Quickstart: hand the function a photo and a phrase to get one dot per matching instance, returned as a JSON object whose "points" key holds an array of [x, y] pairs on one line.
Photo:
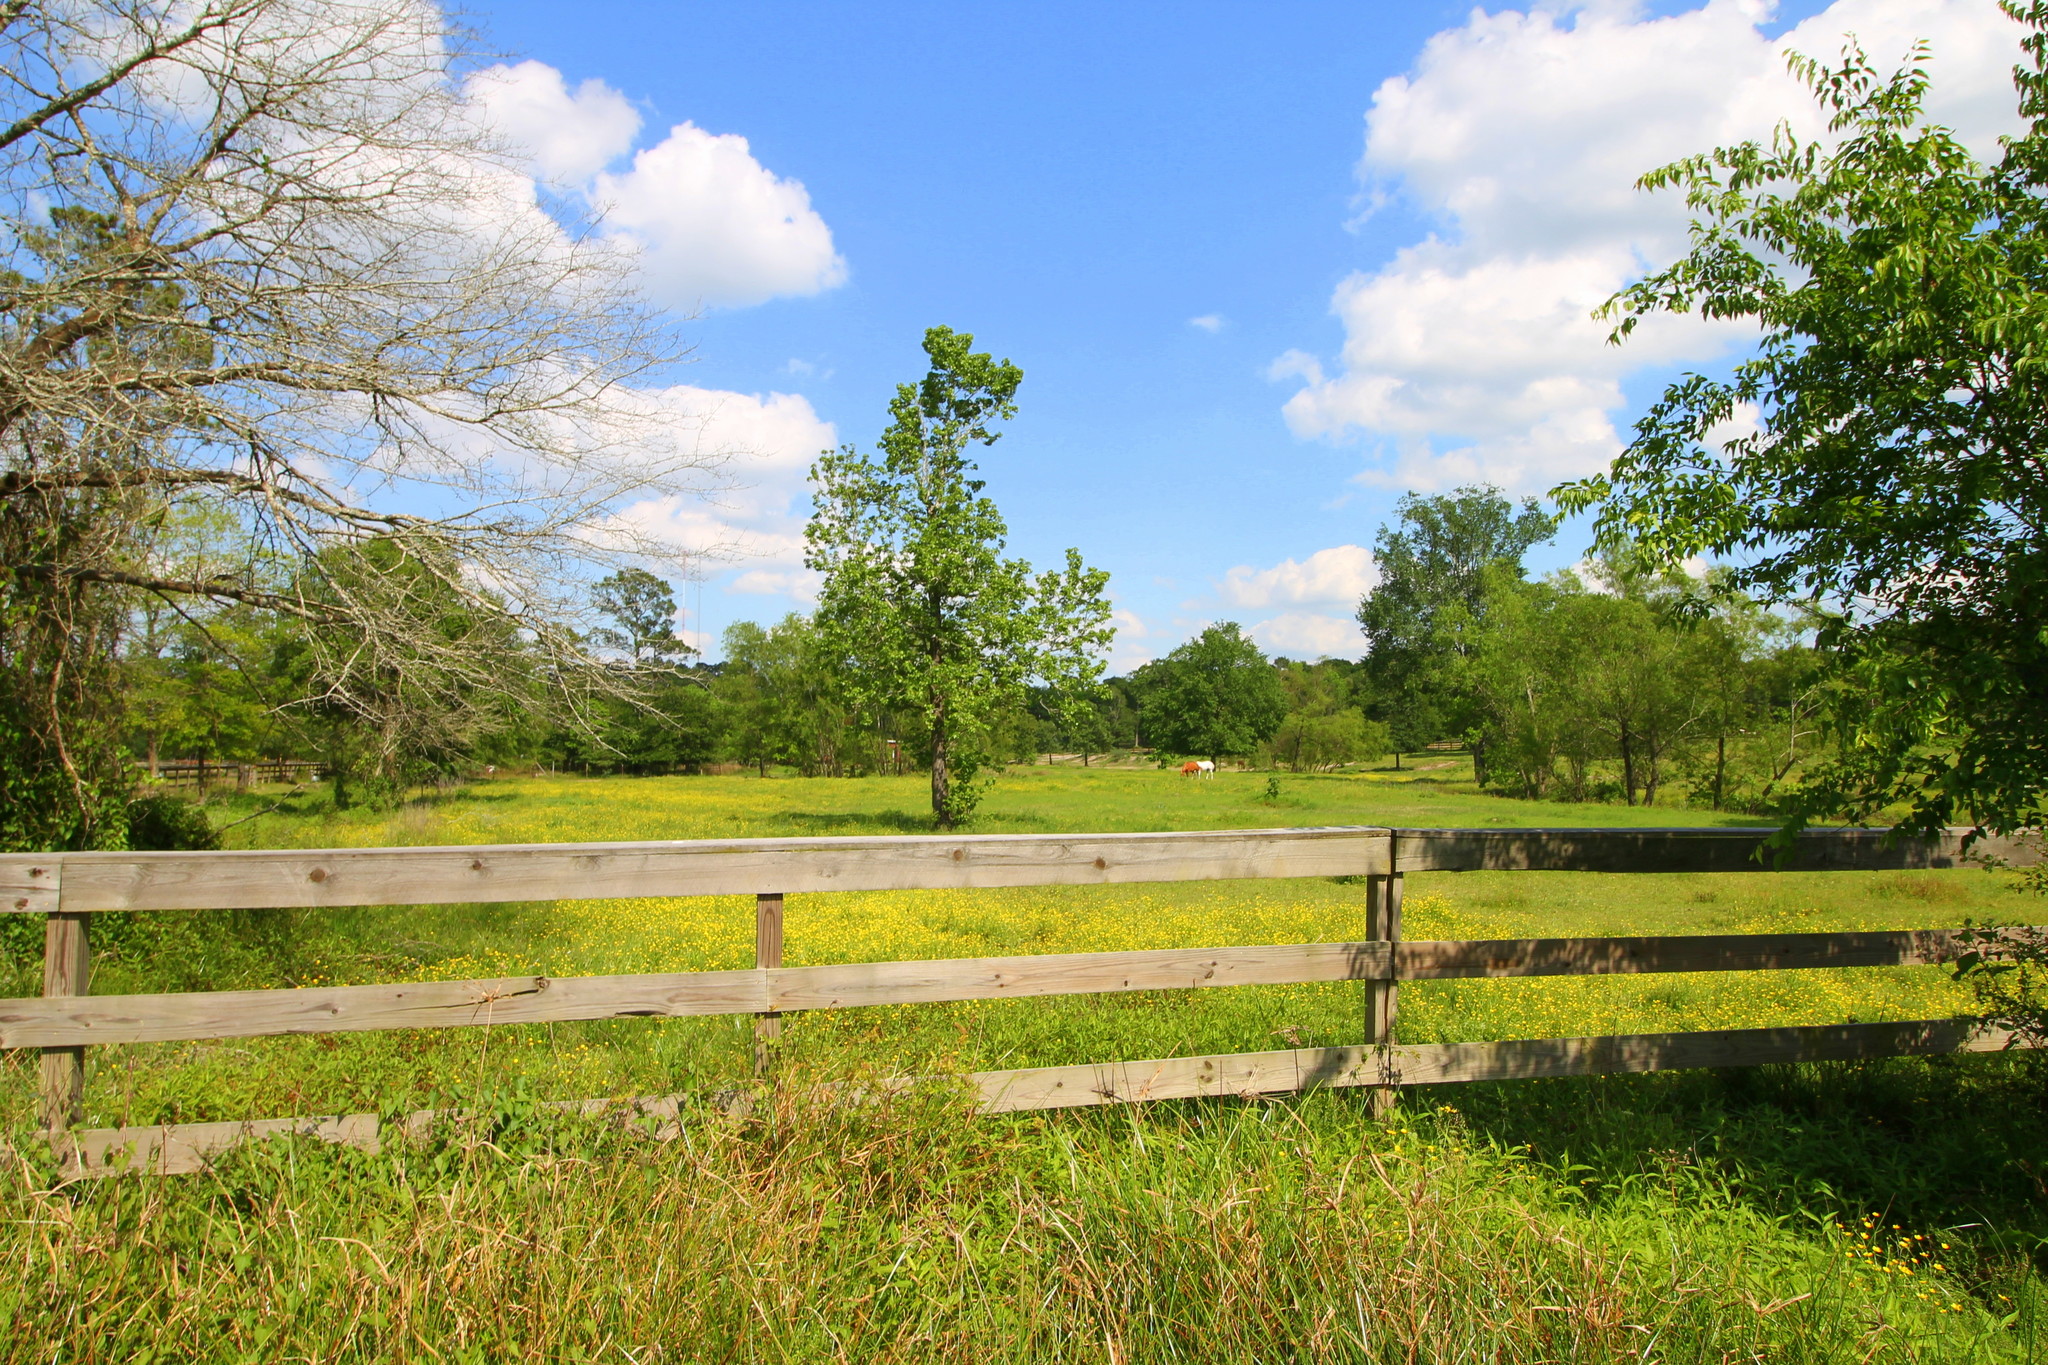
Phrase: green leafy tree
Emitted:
{"points": [[1323, 727], [785, 704], [1433, 564], [643, 607], [919, 604], [1216, 695], [1889, 471]]}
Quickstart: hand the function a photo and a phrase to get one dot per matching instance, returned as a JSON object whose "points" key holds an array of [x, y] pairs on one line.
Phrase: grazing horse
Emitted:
{"points": [[1203, 768]]}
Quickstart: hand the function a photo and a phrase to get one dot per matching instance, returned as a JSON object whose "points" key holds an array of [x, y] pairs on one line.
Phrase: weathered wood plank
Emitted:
{"points": [[767, 955], [1423, 961], [88, 882], [1688, 850], [30, 883], [1000, 978], [1384, 896], [182, 1148], [1267, 1073], [67, 975], [352, 1009], [77, 1021], [39, 1022], [698, 867]]}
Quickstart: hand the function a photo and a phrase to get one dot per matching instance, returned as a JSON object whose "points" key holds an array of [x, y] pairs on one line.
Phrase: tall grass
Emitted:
{"points": [[1233, 1231], [1883, 1212]]}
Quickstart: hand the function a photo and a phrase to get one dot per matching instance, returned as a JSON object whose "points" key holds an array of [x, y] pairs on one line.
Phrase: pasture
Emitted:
{"points": [[1680, 1217]]}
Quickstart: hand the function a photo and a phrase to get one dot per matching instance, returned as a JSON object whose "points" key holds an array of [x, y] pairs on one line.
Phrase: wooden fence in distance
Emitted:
{"points": [[202, 773], [70, 888]]}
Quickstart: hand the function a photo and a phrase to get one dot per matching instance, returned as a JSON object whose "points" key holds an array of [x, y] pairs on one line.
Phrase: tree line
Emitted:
{"points": [[1596, 683]]}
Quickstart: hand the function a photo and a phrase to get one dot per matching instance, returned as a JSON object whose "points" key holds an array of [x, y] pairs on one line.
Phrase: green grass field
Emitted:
{"points": [[1695, 1217]]}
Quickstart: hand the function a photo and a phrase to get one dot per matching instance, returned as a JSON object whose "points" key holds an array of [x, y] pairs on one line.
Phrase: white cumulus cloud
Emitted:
{"points": [[714, 225], [1472, 353], [1341, 574], [770, 440], [570, 136], [1309, 635], [709, 224]]}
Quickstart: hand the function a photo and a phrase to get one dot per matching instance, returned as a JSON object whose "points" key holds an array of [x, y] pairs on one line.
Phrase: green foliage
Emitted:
{"points": [[919, 608], [783, 702], [389, 709], [1435, 563], [644, 608], [169, 824], [1216, 695], [1878, 456], [1548, 1222], [1324, 727], [1650, 679]]}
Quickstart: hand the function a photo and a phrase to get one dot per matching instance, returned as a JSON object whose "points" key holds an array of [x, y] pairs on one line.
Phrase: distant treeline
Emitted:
{"points": [[1595, 684]]}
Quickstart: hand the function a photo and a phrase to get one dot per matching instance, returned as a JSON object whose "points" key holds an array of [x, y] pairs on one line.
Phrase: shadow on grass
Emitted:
{"points": [[1949, 1144], [905, 822], [859, 822]]}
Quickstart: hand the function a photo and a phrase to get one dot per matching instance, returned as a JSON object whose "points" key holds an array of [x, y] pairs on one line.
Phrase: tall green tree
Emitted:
{"points": [[642, 608], [919, 604], [1886, 462], [1216, 695], [1434, 564], [783, 701], [1324, 726]]}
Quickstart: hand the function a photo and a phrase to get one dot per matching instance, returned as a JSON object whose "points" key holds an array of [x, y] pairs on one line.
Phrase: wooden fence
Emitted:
{"points": [[70, 888], [214, 772]]}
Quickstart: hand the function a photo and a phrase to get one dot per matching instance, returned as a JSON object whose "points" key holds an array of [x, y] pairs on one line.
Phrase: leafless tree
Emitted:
{"points": [[260, 254]]}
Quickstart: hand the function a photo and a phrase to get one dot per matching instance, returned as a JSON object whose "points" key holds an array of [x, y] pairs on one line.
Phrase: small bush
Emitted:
{"points": [[163, 824]]}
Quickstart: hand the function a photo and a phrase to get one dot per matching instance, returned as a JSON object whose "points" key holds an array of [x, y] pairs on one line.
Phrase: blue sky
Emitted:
{"points": [[1265, 267]]}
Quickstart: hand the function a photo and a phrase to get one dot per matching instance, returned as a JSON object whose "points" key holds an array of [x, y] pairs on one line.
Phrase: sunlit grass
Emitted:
{"points": [[1695, 1218]]}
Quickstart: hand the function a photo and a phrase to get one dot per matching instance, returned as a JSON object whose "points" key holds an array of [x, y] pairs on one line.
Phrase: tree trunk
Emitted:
{"points": [[1720, 766], [152, 756], [1628, 765], [942, 779]]}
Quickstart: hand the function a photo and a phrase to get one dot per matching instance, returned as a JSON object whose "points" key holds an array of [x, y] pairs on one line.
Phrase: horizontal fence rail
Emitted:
{"points": [[70, 888], [177, 1149], [83, 1020], [476, 874]]}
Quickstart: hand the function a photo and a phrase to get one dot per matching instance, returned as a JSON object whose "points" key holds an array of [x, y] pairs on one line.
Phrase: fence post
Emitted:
{"points": [[66, 965], [767, 953], [1383, 922]]}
